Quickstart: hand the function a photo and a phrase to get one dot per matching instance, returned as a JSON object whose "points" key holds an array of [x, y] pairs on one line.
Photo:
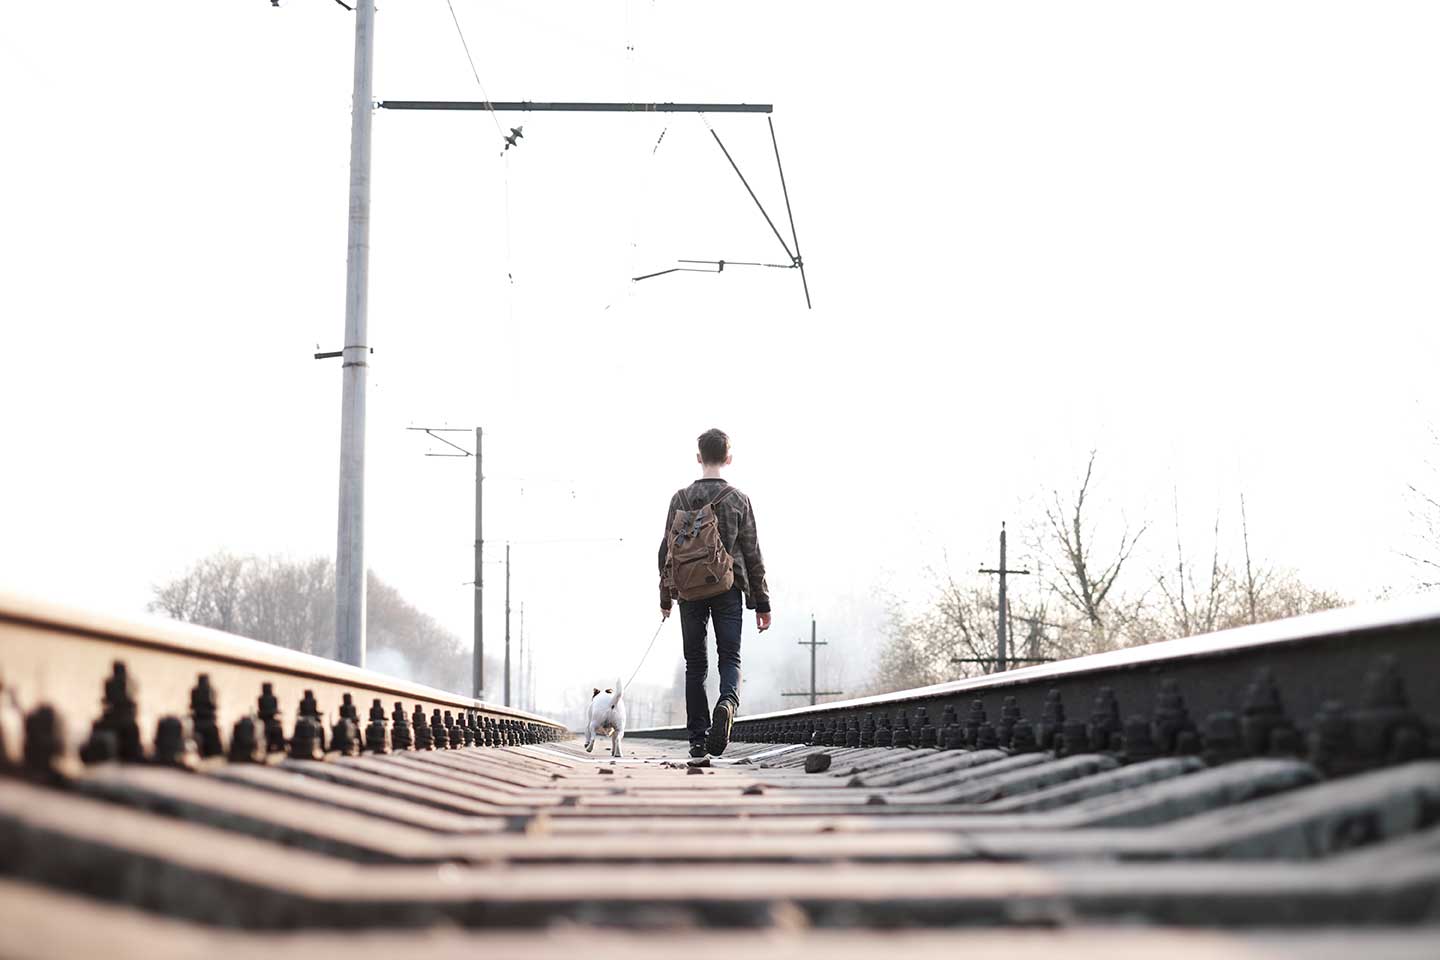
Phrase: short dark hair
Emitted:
{"points": [[714, 446]]}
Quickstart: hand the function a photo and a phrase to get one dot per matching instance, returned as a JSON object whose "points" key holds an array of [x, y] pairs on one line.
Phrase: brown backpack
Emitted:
{"points": [[699, 566]]}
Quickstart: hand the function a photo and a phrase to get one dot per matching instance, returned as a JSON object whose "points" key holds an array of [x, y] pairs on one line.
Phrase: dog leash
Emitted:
{"points": [[647, 653]]}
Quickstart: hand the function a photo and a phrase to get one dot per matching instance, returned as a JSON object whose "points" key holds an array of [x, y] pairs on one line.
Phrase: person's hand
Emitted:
{"points": [[664, 613], [762, 621]]}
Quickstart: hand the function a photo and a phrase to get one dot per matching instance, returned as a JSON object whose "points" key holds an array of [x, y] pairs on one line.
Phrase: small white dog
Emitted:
{"points": [[607, 719]]}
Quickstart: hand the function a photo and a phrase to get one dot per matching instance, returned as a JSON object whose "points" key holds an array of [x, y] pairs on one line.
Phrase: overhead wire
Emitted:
{"points": [[641, 187], [795, 260], [504, 156], [469, 58], [643, 183], [629, 81]]}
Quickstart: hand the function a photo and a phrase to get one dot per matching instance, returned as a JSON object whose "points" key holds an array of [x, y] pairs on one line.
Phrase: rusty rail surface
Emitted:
{"points": [[180, 819]]}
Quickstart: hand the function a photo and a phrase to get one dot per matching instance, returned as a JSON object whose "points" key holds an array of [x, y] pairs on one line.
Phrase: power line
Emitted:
{"points": [[493, 107], [473, 71], [795, 263], [489, 108]]}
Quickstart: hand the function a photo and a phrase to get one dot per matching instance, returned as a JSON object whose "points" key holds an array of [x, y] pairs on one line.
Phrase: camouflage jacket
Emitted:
{"points": [[736, 519]]}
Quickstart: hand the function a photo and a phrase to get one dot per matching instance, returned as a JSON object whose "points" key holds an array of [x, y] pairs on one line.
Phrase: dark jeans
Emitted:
{"points": [[727, 611]]}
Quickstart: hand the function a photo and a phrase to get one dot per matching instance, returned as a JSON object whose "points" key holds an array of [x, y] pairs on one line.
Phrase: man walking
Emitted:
{"points": [[710, 559]]}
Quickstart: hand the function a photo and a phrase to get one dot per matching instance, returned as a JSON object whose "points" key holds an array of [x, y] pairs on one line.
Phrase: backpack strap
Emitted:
{"points": [[692, 514], [712, 504], [690, 503], [689, 517]]}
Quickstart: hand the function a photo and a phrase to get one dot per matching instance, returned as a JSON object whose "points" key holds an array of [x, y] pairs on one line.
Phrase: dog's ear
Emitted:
{"points": [[595, 694]]}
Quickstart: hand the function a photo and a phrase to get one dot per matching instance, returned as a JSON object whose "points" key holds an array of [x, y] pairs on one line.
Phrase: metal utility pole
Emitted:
{"points": [[507, 624], [478, 665], [522, 678], [521, 543], [1000, 620], [350, 546], [813, 693]]}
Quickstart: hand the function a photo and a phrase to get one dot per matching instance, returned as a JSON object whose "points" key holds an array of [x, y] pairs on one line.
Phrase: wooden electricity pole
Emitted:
{"points": [[1002, 617], [1002, 659], [813, 693]]}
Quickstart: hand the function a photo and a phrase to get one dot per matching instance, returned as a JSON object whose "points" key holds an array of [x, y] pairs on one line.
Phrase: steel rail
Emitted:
{"points": [[1315, 660], [528, 837], [61, 657], [872, 817], [1167, 822]]}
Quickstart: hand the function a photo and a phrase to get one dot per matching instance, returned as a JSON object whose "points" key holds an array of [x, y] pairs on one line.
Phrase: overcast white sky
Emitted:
{"points": [[1201, 238]]}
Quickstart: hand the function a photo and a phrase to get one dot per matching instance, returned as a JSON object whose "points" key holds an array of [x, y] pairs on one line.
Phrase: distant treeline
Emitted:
{"points": [[291, 603], [1090, 598]]}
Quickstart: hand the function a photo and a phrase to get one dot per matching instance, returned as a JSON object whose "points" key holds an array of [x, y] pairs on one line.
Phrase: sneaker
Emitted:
{"points": [[720, 723], [697, 750]]}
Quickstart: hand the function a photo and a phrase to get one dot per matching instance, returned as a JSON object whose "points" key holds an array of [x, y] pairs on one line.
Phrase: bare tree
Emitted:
{"points": [[1269, 592], [1035, 632], [292, 604], [1089, 612], [967, 620], [1225, 598], [1428, 517], [209, 593], [915, 653], [1195, 607], [1253, 580], [953, 636], [1284, 595], [1084, 582], [1425, 512], [177, 599], [435, 655]]}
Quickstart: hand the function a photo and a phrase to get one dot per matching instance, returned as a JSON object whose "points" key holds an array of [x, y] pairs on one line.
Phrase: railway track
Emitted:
{"points": [[1269, 792]]}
